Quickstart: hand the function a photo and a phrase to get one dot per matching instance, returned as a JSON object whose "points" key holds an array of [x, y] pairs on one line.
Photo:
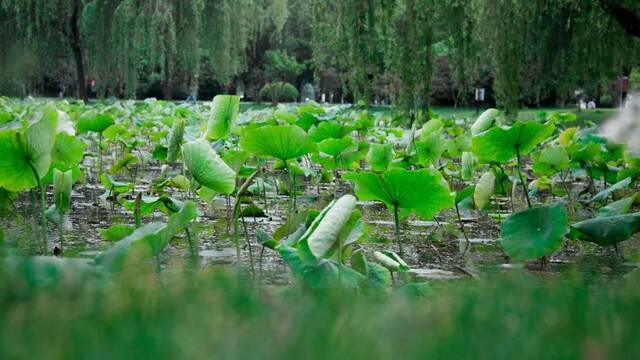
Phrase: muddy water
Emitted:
{"points": [[436, 250]]}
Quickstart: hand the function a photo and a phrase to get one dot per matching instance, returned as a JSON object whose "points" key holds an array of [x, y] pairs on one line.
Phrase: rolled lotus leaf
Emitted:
{"points": [[326, 233]]}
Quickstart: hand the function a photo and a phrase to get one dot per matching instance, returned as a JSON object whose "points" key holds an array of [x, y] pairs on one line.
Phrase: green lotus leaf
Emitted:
{"points": [[235, 159], [391, 261], [485, 121], [431, 127], [124, 162], [551, 160], [484, 189], [265, 239], [175, 140], [25, 157], [429, 148], [467, 164], [329, 130], [424, 191], [619, 207], [535, 232], [148, 240], [208, 168], [464, 194], [380, 156], [117, 232], [607, 230], [281, 142], [94, 122], [324, 274], [334, 147], [323, 234], [148, 204], [113, 185], [604, 194], [62, 185], [224, 111], [377, 277], [67, 152], [501, 144]]}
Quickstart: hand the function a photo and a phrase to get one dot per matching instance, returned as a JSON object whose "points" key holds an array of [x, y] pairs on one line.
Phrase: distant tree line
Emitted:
{"points": [[405, 52]]}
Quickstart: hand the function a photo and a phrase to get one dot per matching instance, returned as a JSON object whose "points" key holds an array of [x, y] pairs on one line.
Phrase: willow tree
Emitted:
{"points": [[502, 28], [157, 36], [455, 22], [410, 54], [52, 22], [227, 26]]}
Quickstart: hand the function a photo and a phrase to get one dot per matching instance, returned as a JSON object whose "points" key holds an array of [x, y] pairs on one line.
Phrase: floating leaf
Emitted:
{"points": [[535, 232]]}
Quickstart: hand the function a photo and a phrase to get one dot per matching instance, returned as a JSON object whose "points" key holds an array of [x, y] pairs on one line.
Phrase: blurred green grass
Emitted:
{"points": [[137, 314]]}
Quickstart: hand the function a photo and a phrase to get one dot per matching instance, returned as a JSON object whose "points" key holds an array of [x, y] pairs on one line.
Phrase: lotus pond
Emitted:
{"points": [[252, 212]]}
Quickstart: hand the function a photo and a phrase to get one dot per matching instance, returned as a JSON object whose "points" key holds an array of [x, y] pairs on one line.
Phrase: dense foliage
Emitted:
{"points": [[404, 52]]}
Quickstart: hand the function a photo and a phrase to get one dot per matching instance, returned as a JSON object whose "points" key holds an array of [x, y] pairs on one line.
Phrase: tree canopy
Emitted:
{"points": [[405, 52]]}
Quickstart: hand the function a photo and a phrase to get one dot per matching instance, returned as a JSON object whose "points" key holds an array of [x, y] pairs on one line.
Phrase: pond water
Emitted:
{"points": [[435, 250]]}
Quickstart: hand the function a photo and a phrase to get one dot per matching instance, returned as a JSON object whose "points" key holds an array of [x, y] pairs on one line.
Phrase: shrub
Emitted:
{"points": [[278, 92]]}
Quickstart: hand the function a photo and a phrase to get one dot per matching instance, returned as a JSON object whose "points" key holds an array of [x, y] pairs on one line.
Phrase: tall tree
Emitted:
{"points": [[53, 21]]}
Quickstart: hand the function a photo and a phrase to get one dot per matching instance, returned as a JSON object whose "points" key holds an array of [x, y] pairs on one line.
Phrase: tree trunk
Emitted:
{"points": [[628, 20], [166, 87], [76, 48]]}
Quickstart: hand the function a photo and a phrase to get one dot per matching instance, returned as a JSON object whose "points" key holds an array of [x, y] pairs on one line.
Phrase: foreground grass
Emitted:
{"points": [[50, 313]]}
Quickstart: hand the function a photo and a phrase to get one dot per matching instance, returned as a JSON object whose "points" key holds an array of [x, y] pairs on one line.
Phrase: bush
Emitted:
{"points": [[278, 92]]}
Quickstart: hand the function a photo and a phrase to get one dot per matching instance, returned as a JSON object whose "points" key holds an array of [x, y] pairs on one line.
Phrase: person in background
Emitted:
{"points": [[591, 104], [193, 91]]}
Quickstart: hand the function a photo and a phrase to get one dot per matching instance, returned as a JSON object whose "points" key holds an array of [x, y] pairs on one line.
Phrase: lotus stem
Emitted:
{"points": [[43, 218], [461, 225], [236, 215], [136, 210], [246, 236], [264, 191], [32, 197], [61, 234], [396, 219], [192, 250], [260, 259], [99, 154], [524, 185], [568, 191]]}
